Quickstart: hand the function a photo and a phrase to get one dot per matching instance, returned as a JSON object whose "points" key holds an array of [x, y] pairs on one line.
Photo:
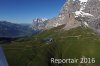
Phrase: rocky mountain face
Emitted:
{"points": [[39, 23], [76, 13], [93, 7], [89, 14], [66, 16]]}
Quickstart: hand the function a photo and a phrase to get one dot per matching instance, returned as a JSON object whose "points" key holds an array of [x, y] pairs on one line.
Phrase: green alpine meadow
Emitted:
{"points": [[56, 43]]}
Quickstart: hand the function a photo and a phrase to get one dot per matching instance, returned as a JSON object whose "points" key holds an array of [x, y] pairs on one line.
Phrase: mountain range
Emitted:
{"points": [[75, 13], [8, 29], [70, 35]]}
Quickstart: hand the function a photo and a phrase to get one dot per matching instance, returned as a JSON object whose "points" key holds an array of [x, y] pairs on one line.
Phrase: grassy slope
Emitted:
{"points": [[75, 43]]}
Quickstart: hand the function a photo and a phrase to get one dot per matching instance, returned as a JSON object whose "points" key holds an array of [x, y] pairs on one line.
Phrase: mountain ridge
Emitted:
{"points": [[8, 29], [75, 13]]}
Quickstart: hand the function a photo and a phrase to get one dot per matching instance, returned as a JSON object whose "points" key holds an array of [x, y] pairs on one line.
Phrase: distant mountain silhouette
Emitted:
{"points": [[8, 29]]}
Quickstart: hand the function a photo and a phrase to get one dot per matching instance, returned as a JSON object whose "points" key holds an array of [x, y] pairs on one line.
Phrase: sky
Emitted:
{"points": [[24, 11]]}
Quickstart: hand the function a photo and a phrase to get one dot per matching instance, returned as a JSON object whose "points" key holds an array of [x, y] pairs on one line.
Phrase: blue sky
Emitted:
{"points": [[24, 11]]}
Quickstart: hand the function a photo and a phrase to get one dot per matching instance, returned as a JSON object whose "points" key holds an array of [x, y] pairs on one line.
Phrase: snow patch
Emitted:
{"points": [[82, 14], [83, 1], [86, 24], [56, 24], [40, 19]]}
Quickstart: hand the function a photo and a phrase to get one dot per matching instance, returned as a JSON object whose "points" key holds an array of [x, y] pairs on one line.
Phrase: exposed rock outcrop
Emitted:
{"points": [[39, 23], [66, 16], [75, 13]]}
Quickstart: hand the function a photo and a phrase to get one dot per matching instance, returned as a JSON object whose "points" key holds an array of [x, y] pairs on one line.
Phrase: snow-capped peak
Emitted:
{"points": [[40, 19]]}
